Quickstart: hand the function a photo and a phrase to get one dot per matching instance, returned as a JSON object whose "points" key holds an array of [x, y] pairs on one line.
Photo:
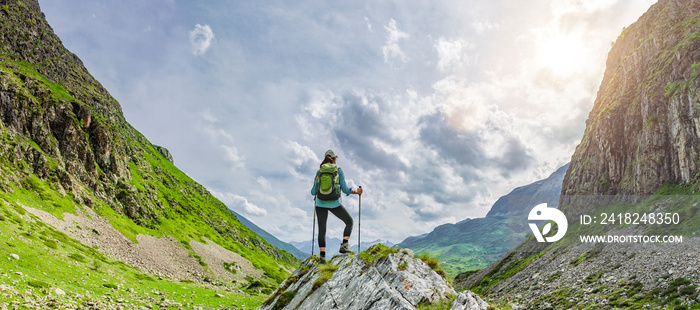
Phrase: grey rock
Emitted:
{"points": [[358, 285], [469, 301], [163, 151]]}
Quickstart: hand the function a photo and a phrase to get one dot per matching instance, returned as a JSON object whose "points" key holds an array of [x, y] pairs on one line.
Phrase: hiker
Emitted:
{"points": [[328, 184]]}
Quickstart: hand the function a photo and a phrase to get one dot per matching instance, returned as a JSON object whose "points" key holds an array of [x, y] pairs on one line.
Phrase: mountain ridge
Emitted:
{"points": [[271, 238], [475, 243]]}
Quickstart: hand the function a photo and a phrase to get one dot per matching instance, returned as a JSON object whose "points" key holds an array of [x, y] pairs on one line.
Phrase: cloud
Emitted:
{"points": [[392, 49], [362, 132], [201, 38], [462, 146], [451, 54], [302, 159], [239, 203], [466, 110], [482, 26]]}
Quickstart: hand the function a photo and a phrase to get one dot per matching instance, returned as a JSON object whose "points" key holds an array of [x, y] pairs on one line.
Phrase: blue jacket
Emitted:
{"points": [[332, 203]]}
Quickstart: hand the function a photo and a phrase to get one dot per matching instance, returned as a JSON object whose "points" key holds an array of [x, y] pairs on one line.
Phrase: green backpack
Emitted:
{"points": [[328, 184]]}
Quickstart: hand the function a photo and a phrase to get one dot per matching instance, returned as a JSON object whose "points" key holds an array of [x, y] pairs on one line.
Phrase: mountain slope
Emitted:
{"points": [[270, 238], [475, 243], [67, 151], [641, 138]]}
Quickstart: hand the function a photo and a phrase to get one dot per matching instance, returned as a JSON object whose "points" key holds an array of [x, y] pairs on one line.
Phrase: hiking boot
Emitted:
{"points": [[322, 260], [344, 248]]}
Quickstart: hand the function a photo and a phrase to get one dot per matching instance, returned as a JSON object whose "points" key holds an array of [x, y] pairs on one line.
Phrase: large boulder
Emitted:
{"points": [[380, 278]]}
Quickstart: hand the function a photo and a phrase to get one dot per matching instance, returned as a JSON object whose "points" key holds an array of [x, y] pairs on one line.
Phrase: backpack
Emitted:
{"points": [[328, 183]]}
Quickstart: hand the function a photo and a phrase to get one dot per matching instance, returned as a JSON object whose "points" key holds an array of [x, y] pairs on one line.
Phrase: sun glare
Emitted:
{"points": [[562, 54]]}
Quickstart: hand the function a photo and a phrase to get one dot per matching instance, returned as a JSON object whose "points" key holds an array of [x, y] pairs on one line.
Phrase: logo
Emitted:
{"points": [[541, 213]]}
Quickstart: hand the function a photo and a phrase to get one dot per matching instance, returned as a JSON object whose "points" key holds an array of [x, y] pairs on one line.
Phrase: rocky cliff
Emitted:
{"points": [[642, 137], [380, 278], [66, 147], [644, 129]]}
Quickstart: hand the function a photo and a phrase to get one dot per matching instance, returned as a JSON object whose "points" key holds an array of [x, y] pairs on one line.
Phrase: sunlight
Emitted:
{"points": [[562, 54]]}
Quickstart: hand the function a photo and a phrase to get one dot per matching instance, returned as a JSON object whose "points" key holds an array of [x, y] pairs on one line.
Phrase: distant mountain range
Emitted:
{"points": [[270, 238], [333, 244], [475, 243]]}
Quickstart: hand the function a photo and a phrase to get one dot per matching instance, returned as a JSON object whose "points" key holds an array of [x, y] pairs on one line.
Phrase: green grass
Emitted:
{"points": [[433, 263], [81, 270], [375, 253], [488, 239], [283, 300], [444, 304], [325, 273]]}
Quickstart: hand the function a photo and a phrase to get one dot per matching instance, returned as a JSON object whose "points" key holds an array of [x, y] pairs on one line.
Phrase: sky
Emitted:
{"points": [[435, 108]]}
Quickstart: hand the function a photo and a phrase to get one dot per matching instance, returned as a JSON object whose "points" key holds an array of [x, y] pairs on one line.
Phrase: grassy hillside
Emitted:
{"points": [[65, 148], [470, 245], [48, 262]]}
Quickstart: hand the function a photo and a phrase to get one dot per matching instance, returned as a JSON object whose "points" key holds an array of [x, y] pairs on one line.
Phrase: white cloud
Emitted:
{"points": [[451, 53], [482, 26], [392, 49], [201, 38], [310, 77], [239, 203]]}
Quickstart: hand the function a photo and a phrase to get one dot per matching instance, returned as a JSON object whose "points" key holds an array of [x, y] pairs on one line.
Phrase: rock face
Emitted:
{"points": [[644, 129], [642, 133], [396, 281]]}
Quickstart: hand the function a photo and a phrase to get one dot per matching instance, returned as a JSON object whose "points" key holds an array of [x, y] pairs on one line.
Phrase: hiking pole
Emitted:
{"points": [[313, 232], [359, 221]]}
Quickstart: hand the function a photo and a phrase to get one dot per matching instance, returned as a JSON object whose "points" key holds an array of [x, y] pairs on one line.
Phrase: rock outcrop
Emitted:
{"points": [[469, 301], [393, 281], [644, 129]]}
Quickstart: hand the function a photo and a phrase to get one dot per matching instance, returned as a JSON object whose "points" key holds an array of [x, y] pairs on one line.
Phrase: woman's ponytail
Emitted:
{"points": [[326, 160]]}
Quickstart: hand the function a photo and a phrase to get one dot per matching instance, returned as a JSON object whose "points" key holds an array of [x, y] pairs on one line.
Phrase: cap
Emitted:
{"points": [[331, 154]]}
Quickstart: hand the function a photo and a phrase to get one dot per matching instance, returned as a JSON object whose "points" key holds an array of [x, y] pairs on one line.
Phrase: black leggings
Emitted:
{"points": [[341, 213]]}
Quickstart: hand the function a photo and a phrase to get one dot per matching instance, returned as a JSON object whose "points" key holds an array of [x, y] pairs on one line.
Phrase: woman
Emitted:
{"points": [[328, 202]]}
